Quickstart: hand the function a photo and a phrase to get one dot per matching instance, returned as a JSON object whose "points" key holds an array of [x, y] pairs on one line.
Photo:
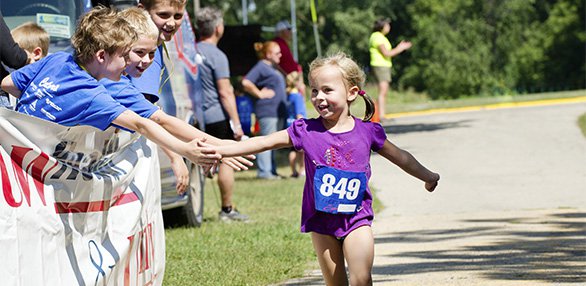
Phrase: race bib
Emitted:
{"points": [[338, 191]]}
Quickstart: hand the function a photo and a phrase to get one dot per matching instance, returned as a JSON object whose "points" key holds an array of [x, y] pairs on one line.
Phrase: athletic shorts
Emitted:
{"points": [[221, 130], [382, 74]]}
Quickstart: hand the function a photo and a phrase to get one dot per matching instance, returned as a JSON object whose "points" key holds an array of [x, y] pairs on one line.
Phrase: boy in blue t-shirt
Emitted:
{"points": [[295, 110], [64, 89], [123, 91]]}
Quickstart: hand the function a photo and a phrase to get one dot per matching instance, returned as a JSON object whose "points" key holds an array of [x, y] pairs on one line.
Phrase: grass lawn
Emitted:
{"points": [[266, 250]]}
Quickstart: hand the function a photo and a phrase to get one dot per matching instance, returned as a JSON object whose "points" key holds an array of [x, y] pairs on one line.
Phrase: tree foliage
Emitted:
{"points": [[460, 47]]}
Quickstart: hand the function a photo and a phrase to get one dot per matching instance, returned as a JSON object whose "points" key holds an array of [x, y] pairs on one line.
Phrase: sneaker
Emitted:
{"points": [[233, 215]]}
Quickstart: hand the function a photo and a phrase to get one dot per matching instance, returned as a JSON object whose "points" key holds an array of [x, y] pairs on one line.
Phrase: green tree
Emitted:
{"points": [[460, 47]]}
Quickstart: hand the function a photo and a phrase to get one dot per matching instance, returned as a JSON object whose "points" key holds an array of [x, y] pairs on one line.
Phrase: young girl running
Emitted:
{"points": [[337, 203]]}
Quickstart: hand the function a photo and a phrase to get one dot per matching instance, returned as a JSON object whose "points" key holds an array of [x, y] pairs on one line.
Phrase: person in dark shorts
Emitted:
{"points": [[220, 112]]}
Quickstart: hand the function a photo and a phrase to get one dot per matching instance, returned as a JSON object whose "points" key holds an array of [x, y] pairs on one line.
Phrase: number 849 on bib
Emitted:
{"points": [[338, 191]]}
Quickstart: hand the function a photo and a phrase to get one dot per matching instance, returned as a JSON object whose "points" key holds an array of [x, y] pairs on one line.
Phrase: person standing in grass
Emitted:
{"points": [[266, 84], [219, 102], [337, 202], [295, 110], [381, 52]]}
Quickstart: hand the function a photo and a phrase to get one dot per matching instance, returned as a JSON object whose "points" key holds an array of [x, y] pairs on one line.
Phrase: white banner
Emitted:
{"points": [[79, 206]]}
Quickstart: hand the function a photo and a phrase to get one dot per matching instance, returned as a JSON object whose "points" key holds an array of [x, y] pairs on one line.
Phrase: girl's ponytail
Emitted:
{"points": [[369, 110]]}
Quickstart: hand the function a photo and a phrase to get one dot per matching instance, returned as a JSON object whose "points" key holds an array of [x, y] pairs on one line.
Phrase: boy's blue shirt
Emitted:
{"points": [[59, 90], [124, 92], [295, 107]]}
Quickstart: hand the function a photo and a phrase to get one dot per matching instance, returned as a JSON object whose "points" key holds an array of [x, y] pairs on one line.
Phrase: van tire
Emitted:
{"points": [[193, 210]]}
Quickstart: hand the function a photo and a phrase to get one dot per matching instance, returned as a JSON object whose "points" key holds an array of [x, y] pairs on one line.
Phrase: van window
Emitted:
{"points": [[57, 17]]}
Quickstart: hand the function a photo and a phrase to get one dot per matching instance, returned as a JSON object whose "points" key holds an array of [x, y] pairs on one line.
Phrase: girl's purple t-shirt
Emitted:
{"points": [[349, 151]]}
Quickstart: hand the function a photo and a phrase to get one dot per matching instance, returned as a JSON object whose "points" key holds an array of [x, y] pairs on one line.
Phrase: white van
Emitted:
{"points": [[181, 93]]}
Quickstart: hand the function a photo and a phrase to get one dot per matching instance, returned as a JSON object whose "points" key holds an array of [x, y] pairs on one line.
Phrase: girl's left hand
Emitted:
{"points": [[431, 185]]}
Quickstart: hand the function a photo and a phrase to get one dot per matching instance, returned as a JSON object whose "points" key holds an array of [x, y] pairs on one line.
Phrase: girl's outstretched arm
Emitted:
{"points": [[255, 144], [409, 164]]}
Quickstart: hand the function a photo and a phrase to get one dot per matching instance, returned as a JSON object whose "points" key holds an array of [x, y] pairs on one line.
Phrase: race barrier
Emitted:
{"points": [[79, 206]]}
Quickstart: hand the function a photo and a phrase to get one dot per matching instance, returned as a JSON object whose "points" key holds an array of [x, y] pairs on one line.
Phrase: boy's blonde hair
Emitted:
{"points": [[352, 75], [292, 81], [140, 20], [30, 36], [101, 28], [149, 4]]}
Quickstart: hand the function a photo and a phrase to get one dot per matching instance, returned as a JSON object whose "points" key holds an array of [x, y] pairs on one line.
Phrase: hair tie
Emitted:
{"points": [[361, 92]]}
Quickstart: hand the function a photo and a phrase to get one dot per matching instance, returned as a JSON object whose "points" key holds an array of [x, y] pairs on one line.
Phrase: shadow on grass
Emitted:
{"points": [[556, 255], [420, 127]]}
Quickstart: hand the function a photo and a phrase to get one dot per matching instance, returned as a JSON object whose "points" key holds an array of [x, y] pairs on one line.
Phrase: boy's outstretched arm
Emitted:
{"points": [[186, 132], [193, 152], [8, 86], [409, 164], [279, 139]]}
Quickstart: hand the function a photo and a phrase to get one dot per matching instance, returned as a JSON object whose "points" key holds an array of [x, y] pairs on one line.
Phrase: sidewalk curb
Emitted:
{"points": [[578, 99]]}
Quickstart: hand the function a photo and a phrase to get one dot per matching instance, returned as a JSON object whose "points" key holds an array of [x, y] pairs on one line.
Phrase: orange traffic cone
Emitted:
{"points": [[375, 117]]}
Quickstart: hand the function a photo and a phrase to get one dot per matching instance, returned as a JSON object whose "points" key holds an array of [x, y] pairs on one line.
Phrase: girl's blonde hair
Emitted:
{"points": [[292, 80], [101, 29], [352, 75], [140, 20], [262, 48]]}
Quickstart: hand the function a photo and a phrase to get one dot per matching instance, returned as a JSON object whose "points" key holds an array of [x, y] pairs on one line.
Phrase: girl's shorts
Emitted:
{"points": [[382, 74]]}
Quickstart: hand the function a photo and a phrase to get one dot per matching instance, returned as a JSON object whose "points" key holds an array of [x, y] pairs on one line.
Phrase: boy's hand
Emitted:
{"points": [[201, 154], [182, 174], [237, 163], [432, 184]]}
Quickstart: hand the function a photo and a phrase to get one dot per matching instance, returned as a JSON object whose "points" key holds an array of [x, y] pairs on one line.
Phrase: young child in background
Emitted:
{"points": [[140, 57], [337, 202], [33, 38], [64, 89], [295, 110]]}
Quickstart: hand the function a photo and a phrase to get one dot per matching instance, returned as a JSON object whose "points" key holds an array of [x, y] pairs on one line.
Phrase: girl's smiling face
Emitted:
{"points": [[329, 95], [141, 56], [168, 18]]}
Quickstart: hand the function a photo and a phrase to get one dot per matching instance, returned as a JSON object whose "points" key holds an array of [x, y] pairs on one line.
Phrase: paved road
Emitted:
{"points": [[510, 208]]}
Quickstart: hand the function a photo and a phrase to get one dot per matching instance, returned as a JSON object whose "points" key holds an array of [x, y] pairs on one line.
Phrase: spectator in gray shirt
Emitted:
{"points": [[220, 113]]}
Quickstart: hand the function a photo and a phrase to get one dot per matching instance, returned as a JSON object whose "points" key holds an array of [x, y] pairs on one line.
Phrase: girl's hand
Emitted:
{"points": [[182, 174], [199, 153], [432, 184], [237, 163]]}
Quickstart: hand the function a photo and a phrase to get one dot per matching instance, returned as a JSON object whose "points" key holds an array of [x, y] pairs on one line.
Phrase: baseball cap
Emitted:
{"points": [[282, 25]]}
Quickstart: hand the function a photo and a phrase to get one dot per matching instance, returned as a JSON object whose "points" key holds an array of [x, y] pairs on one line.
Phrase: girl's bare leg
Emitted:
{"points": [[383, 89], [358, 249], [331, 259]]}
